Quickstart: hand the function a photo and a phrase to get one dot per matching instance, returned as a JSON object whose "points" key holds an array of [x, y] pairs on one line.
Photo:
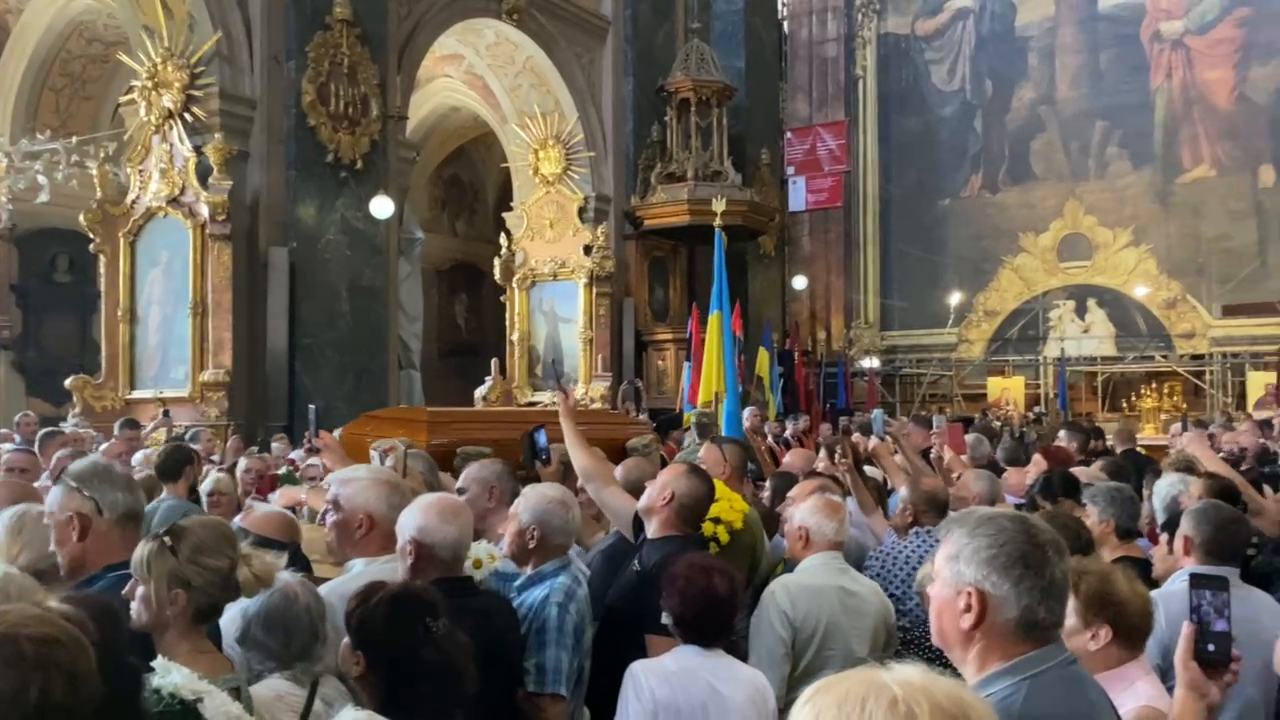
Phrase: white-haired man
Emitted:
{"points": [[551, 598], [433, 536], [823, 617], [364, 501], [997, 600]]}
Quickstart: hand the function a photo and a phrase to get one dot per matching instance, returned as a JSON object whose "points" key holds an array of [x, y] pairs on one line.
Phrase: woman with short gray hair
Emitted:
{"points": [[25, 541], [282, 647], [1113, 514]]}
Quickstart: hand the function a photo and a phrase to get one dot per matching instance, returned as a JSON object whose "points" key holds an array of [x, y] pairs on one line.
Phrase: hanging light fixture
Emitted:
{"points": [[381, 206]]}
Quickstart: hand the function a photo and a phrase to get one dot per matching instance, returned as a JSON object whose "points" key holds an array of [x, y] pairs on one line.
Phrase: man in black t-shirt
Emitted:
{"points": [[664, 524]]}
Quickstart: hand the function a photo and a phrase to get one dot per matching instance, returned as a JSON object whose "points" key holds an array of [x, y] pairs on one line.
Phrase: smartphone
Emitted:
{"points": [[541, 446], [939, 422], [877, 423], [1211, 613], [955, 438], [1186, 423], [313, 427], [165, 413]]}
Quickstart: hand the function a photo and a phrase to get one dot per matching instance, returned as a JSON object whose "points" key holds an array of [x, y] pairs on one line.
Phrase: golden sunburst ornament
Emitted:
{"points": [[553, 150], [171, 79]]}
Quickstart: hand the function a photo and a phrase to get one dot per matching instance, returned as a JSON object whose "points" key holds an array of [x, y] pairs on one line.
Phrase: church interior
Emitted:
{"points": [[391, 215]]}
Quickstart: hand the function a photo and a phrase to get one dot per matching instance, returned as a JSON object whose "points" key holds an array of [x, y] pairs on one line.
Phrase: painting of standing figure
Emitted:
{"points": [[554, 319], [162, 306]]}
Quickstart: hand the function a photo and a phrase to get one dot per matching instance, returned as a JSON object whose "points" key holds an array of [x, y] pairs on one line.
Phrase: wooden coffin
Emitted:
{"points": [[441, 431]]}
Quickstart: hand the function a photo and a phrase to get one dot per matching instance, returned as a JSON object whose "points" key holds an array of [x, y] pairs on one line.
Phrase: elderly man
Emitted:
{"points": [[894, 565], [551, 599], [21, 463], [824, 617], [976, 488], [276, 530], [488, 487], [665, 523], [433, 536], [204, 441], [1213, 539], [364, 502], [1113, 514], [997, 601], [26, 425], [978, 454], [799, 461], [95, 520]]}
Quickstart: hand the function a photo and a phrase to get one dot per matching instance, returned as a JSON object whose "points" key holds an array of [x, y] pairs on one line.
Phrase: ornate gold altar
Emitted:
{"points": [[557, 274], [164, 256]]}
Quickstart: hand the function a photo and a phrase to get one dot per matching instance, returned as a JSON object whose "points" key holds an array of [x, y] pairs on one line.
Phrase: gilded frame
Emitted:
{"points": [[544, 270], [196, 237]]}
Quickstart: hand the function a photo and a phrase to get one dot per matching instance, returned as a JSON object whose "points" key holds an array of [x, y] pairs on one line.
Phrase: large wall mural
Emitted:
{"points": [[1158, 115]]}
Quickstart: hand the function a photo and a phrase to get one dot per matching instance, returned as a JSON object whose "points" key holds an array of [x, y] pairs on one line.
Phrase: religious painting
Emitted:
{"points": [[1007, 394], [1260, 393], [1078, 322], [658, 270], [554, 347], [161, 326], [460, 318], [1160, 115]]}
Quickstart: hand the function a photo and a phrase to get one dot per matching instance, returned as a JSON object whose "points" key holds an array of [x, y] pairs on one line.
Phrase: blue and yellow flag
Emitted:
{"points": [[719, 386], [765, 366]]}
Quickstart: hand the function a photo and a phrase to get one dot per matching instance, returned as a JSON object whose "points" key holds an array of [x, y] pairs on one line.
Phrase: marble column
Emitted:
{"points": [[746, 37], [342, 257]]}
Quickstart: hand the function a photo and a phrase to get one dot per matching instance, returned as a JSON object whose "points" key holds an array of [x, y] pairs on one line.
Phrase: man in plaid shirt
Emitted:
{"points": [[551, 599]]}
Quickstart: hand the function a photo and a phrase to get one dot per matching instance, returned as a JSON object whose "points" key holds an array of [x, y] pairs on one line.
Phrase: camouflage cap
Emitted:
{"points": [[702, 417], [643, 446], [689, 454], [468, 454]]}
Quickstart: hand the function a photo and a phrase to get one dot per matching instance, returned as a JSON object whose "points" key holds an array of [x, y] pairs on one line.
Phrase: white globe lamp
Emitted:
{"points": [[799, 281], [381, 206]]}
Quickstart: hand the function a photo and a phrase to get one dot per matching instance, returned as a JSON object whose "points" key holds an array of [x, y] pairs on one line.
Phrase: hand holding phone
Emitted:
{"points": [[1210, 612], [939, 422], [313, 430], [877, 423], [541, 445]]}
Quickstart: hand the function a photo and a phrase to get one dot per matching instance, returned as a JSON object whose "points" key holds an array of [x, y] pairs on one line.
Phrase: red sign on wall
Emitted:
{"points": [[815, 192], [817, 149]]}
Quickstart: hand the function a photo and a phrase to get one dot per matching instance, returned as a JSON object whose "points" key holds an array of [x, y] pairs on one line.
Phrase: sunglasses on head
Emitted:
{"points": [[61, 477]]}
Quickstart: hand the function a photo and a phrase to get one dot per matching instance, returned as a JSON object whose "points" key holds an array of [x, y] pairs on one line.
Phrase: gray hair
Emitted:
{"points": [[978, 448], [440, 522], [24, 542], [1010, 453], [1016, 560], [1166, 494], [283, 630], [1117, 503], [426, 466], [986, 487], [100, 485], [194, 434], [378, 491], [824, 515], [553, 509]]}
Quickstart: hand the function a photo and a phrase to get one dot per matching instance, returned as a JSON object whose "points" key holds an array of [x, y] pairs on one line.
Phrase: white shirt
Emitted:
{"points": [[694, 683], [277, 696], [355, 574]]}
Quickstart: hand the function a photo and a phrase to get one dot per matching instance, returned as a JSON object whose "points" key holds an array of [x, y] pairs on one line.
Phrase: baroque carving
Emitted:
{"points": [[86, 394], [866, 19], [341, 90], [768, 190], [1116, 262]]}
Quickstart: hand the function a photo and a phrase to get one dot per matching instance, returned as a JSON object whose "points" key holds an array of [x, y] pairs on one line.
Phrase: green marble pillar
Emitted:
{"points": [[342, 281]]}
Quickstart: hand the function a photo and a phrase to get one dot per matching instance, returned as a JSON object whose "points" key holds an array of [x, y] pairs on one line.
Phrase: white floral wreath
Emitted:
{"points": [[173, 679]]}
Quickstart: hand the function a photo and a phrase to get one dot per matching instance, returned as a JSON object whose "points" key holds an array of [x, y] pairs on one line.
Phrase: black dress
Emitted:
{"points": [[1141, 567]]}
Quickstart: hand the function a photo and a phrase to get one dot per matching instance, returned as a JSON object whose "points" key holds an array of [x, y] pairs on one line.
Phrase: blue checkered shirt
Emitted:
{"points": [[894, 565], [555, 619]]}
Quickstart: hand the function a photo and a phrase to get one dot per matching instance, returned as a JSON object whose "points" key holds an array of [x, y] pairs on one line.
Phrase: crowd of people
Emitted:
{"points": [[805, 573]]}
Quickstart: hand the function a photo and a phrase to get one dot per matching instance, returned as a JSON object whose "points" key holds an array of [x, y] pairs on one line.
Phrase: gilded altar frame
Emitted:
{"points": [[162, 172]]}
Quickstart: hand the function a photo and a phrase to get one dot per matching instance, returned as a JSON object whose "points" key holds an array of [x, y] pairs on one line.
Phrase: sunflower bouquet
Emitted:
{"points": [[727, 514]]}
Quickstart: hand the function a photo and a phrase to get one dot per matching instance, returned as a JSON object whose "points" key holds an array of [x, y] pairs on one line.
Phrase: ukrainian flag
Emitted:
{"points": [[719, 386], [765, 371]]}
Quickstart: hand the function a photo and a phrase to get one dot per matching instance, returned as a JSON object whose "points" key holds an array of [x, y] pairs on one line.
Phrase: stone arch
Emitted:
{"points": [[539, 43]]}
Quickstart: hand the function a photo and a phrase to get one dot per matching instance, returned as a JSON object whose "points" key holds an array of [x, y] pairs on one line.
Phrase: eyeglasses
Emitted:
{"points": [[62, 477]]}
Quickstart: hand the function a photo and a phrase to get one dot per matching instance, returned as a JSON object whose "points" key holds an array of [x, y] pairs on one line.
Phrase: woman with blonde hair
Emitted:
{"points": [[19, 587], [49, 669], [1108, 621], [24, 543], [183, 577], [219, 496], [901, 691]]}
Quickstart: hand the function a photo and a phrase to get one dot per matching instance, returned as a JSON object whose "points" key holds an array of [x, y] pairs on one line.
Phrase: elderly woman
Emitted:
{"points": [[282, 644], [1108, 621], [1113, 513], [904, 691], [251, 471], [219, 496], [701, 594], [24, 543]]}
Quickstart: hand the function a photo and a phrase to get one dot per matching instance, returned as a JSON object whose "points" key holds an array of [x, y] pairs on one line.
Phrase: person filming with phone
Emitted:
{"points": [[1209, 549]]}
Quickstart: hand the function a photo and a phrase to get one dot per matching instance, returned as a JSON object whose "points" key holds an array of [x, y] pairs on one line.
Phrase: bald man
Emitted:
{"points": [[433, 537], [488, 487], [859, 540], [799, 461], [922, 506], [16, 492], [726, 458]]}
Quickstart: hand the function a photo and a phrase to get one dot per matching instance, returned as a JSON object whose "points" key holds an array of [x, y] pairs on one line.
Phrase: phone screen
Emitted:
{"points": [[541, 446], [939, 422], [955, 438], [312, 425], [1211, 613], [877, 423]]}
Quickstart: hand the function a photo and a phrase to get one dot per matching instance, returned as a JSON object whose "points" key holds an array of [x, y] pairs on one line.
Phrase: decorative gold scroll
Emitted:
{"points": [[341, 90]]}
